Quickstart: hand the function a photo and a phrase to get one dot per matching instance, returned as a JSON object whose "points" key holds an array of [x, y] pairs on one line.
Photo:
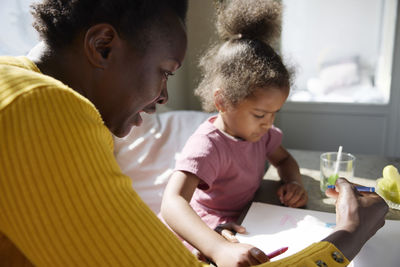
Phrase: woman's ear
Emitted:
{"points": [[99, 42], [218, 100]]}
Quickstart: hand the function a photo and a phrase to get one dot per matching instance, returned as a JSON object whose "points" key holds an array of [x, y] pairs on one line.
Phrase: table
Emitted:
{"points": [[368, 168]]}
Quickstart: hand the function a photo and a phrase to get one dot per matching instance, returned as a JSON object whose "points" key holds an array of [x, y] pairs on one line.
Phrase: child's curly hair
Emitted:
{"points": [[244, 60]]}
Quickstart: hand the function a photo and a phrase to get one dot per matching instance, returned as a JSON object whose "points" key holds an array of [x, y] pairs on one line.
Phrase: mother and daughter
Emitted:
{"points": [[223, 162], [64, 201]]}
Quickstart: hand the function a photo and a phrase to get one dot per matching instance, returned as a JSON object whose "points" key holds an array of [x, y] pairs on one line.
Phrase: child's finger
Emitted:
{"points": [[289, 194], [280, 191], [298, 199], [301, 201], [234, 227], [294, 199], [228, 231], [229, 235]]}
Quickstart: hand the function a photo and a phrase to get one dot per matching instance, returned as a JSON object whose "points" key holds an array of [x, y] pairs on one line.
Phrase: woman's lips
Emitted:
{"points": [[138, 120], [150, 110]]}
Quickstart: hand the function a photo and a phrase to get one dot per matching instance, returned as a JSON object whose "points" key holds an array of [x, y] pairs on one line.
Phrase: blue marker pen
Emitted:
{"points": [[358, 187]]}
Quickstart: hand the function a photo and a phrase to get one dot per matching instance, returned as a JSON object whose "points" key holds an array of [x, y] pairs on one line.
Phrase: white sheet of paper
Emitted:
{"points": [[270, 227]]}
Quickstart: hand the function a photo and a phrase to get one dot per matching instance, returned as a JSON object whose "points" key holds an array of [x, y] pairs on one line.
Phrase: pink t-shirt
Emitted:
{"points": [[230, 170]]}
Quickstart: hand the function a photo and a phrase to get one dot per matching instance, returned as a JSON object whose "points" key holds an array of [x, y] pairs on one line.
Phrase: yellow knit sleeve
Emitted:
{"points": [[318, 254], [63, 198]]}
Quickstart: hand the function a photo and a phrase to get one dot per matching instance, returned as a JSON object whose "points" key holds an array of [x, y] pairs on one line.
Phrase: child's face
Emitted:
{"points": [[251, 118]]}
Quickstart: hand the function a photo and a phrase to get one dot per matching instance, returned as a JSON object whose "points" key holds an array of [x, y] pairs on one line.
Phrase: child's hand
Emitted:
{"points": [[239, 254], [292, 194]]}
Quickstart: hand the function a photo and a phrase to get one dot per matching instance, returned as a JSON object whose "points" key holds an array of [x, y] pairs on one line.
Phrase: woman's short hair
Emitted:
{"points": [[60, 21]]}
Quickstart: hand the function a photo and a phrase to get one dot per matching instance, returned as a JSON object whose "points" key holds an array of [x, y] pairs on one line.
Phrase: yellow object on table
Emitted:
{"points": [[388, 187]]}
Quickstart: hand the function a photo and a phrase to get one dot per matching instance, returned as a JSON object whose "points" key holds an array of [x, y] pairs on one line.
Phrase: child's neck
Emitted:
{"points": [[220, 125]]}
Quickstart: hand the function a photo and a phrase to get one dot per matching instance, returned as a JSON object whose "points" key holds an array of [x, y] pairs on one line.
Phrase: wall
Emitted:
{"points": [[201, 34]]}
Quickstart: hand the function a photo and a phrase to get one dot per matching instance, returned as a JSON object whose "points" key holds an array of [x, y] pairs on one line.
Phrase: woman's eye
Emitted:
{"points": [[167, 74]]}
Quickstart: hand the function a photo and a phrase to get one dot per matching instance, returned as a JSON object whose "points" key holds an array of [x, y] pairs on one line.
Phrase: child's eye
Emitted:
{"points": [[258, 116], [167, 74]]}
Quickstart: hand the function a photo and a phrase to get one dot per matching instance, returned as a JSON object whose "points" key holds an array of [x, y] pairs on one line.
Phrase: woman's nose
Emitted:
{"points": [[163, 98]]}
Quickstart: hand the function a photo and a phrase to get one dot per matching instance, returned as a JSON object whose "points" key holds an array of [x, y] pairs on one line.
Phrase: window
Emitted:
{"points": [[342, 50]]}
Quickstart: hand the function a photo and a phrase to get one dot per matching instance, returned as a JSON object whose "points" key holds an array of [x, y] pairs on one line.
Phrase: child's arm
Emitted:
{"points": [[179, 215], [292, 192]]}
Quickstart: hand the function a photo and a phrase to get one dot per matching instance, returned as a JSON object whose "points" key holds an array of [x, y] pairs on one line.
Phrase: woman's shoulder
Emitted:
{"points": [[21, 79]]}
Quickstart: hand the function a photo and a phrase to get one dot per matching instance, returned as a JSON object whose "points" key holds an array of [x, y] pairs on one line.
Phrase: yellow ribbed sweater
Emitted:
{"points": [[63, 198]]}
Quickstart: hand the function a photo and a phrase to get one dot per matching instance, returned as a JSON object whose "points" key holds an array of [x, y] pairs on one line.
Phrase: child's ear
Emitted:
{"points": [[218, 100]]}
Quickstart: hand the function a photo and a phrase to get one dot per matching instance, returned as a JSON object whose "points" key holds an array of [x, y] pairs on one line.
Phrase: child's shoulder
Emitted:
{"points": [[275, 130], [272, 139], [206, 127], [206, 134], [273, 133]]}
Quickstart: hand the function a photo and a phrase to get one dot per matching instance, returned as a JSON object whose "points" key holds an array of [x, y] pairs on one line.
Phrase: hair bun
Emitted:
{"points": [[250, 19]]}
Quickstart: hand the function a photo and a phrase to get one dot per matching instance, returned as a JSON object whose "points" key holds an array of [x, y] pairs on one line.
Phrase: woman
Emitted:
{"points": [[63, 198]]}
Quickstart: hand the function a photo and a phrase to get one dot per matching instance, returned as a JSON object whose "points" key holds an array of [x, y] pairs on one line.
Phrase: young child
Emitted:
{"points": [[223, 162]]}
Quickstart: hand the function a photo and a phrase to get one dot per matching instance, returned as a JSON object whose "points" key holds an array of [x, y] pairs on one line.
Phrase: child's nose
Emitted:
{"points": [[265, 126], [267, 123]]}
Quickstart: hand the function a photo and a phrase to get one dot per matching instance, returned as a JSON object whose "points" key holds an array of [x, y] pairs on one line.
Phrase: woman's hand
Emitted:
{"points": [[358, 217], [292, 194]]}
